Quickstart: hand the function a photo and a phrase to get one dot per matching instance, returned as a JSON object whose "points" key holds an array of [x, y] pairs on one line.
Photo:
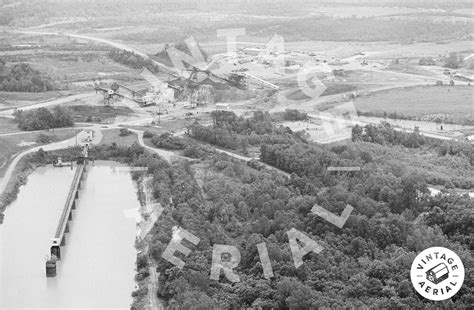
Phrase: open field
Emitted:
{"points": [[76, 71], [84, 113], [7, 125], [449, 103], [10, 100], [112, 135]]}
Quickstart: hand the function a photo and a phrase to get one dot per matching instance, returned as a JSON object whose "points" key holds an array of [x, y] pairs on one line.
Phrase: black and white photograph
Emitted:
{"points": [[236, 154]]}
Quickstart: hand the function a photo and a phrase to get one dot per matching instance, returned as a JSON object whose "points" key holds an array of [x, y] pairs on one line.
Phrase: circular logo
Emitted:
{"points": [[437, 273]]}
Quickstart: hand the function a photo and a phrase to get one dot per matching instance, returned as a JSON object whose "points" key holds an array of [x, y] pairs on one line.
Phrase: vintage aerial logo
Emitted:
{"points": [[437, 273]]}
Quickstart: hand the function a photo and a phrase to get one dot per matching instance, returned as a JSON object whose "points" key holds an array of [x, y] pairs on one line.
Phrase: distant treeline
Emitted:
{"points": [[132, 60], [23, 78], [359, 29], [42, 118]]}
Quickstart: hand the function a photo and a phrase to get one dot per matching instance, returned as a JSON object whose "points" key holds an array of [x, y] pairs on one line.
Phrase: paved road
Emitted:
{"points": [[9, 113], [167, 155], [50, 147], [41, 131]]}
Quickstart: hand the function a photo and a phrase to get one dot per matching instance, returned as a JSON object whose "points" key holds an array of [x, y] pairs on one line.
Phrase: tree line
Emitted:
{"points": [[43, 118], [133, 60], [23, 78]]}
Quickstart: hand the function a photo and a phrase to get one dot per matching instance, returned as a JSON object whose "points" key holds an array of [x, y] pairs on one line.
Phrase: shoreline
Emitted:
{"points": [[145, 198], [27, 165], [23, 168], [19, 178]]}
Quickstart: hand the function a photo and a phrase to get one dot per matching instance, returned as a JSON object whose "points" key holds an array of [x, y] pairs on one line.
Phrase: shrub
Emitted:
{"points": [[124, 132], [147, 134]]}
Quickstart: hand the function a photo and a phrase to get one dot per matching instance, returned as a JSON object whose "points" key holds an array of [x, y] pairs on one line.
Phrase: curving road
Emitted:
{"points": [[50, 147], [9, 113]]}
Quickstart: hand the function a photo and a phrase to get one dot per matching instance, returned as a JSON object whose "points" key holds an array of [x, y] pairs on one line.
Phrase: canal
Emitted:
{"points": [[98, 261]]}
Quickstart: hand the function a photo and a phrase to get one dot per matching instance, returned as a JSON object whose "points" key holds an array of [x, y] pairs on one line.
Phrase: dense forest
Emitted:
{"points": [[23, 78], [365, 264], [42, 118]]}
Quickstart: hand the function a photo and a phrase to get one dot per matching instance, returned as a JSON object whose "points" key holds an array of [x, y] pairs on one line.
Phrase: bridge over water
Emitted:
{"points": [[62, 229]]}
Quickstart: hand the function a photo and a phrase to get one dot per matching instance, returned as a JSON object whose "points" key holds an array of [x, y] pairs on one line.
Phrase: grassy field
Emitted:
{"points": [[436, 101], [110, 136], [332, 89], [7, 125], [10, 100], [82, 113]]}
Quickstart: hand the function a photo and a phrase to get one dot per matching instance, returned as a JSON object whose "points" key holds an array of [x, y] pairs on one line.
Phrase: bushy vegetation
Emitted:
{"points": [[386, 134], [132, 60], [42, 118], [124, 132], [454, 61], [23, 78], [366, 264], [168, 141], [190, 148], [238, 133], [294, 115]]}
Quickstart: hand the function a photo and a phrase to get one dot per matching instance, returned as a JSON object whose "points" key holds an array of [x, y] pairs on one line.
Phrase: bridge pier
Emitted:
{"points": [[56, 251], [51, 268]]}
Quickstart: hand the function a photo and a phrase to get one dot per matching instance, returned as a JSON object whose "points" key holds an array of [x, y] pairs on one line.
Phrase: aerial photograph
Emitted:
{"points": [[236, 154]]}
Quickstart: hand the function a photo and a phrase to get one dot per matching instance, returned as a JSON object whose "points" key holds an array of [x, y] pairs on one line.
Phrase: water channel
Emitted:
{"points": [[98, 261]]}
